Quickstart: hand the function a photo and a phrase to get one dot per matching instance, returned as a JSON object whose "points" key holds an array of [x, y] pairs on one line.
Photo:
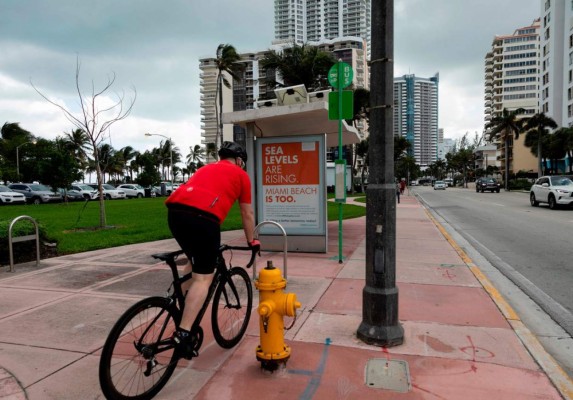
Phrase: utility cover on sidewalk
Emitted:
{"points": [[387, 374]]}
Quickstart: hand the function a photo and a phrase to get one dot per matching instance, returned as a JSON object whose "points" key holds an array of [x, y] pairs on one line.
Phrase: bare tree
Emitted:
{"points": [[95, 121]]}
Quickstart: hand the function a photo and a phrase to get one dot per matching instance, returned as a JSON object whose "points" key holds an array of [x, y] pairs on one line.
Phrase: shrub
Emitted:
{"points": [[26, 250], [519, 184]]}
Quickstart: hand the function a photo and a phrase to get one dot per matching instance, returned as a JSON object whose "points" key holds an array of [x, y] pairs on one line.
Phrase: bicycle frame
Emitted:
{"points": [[220, 274]]}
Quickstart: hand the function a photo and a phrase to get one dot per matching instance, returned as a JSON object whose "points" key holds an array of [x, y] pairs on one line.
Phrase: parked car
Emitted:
{"points": [[71, 195], [168, 188], [36, 193], [440, 185], [554, 190], [449, 182], [488, 184], [109, 192], [132, 190], [87, 191], [9, 196]]}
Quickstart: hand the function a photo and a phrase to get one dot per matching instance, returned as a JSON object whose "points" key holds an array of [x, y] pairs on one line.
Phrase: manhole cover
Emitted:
{"points": [[388, 374]]}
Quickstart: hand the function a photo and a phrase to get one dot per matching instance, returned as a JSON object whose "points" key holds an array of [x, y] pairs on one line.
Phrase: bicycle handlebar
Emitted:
{"points": [[254, 251]]}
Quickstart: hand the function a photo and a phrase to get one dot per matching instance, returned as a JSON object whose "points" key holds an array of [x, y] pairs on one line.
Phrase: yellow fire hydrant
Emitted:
{"points": [[274, 304]]}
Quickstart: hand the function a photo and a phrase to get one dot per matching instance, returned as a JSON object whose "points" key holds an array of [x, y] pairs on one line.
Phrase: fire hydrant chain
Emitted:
{"points": [[265, 323]]}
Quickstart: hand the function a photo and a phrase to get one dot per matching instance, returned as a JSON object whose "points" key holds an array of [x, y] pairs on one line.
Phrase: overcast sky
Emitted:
{"points": [[155, 46]]}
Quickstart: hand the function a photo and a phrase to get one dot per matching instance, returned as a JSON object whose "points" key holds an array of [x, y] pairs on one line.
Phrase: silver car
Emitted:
{"points": [[440, 185], [554, 190], [36, 193]]}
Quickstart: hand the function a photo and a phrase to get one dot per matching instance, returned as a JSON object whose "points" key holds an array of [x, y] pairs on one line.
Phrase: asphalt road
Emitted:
{"points": [[532, 246]]}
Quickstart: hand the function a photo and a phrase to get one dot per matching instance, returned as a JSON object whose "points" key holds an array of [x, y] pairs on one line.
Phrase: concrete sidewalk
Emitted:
{"points": [[461, 341]]}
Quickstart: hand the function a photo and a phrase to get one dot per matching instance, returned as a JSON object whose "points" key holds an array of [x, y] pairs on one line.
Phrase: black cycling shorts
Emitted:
{"points": [[199, 236]]}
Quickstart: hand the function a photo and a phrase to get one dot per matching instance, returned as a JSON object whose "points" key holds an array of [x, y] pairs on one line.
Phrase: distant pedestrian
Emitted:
{"points": [[398, 192], [402, 186]]}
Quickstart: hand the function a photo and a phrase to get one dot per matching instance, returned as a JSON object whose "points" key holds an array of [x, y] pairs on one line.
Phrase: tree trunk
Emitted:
{"points": [[102, 219], [506, 179], [540, 168]]}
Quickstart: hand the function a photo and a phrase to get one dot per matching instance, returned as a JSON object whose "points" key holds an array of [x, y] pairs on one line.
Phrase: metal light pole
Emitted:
{"points": [[170, 153], [18, 158], [380, 325]]}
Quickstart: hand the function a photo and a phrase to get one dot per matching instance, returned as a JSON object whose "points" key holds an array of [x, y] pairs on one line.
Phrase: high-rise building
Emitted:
{"points": [[305, 21], [511, 82], [416, 116], [556, 44]]}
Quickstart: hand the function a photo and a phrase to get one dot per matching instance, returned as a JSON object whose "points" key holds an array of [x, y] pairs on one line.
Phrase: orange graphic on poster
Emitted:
{"points": [[293, 163]]}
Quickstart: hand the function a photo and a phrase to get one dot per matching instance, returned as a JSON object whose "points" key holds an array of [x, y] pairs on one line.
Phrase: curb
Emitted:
{"points": [[547, 363]]}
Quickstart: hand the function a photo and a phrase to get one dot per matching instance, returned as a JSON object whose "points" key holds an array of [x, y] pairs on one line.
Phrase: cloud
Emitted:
{"points": [[155, 47]]}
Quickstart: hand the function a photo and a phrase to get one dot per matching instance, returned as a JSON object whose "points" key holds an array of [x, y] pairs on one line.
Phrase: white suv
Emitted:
{"points": [[87, 191], [109, 192], [554, 190], [132, 190]]}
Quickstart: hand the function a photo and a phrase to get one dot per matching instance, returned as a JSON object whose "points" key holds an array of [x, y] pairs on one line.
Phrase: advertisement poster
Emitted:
{"points": [[291, 190]]}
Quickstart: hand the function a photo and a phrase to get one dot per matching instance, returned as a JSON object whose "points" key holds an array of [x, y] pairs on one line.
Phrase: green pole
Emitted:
{"points": [[340, 158]]}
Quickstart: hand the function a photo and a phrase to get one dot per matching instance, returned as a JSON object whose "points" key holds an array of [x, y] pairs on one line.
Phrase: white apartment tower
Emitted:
{"points": [[512, 82], [511, 72], [304, 21], [416, 115], [557, 61]]}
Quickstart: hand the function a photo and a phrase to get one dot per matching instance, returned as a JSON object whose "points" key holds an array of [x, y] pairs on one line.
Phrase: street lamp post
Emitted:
{"points": [[18, 157], [170, 154]]}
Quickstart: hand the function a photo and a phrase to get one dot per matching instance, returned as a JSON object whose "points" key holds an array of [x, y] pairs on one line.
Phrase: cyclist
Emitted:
{"points": [[195, 211]]}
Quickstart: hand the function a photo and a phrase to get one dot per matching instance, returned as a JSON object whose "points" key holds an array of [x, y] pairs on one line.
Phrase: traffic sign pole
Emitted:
{"points": [[339, 76]]}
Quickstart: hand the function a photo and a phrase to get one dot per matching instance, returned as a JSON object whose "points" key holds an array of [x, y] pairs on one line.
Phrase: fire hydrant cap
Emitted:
{"points": [[291, 304], [270, 279]]}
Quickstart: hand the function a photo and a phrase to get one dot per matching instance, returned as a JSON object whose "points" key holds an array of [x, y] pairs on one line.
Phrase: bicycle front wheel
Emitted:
{"points": [[138, 359], [232, 304]]}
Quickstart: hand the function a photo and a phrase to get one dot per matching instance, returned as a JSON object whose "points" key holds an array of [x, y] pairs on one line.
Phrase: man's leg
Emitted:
{"points": [[198, 287]]}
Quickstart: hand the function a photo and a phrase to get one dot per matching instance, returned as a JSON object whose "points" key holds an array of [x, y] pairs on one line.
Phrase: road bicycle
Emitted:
{"points": [[138, 357]]}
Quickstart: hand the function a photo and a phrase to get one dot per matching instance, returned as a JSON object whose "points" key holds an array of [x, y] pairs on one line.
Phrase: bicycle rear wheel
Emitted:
{"points": [[232, 304], [138, 359]]}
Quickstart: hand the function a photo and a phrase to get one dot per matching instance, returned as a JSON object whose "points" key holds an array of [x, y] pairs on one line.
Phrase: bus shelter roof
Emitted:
{"points": [[294, 120]]}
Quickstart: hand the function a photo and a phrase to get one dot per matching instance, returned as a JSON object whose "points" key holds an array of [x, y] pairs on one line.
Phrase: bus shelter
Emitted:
{"points": [[287, 165]]}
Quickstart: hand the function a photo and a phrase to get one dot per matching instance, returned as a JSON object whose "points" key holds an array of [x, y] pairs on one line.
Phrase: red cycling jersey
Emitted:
{"points": [[214, 188]]}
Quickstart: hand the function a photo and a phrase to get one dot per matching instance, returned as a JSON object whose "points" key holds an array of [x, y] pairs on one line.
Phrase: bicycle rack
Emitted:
{"points": [[23, 239], [284, 248]]}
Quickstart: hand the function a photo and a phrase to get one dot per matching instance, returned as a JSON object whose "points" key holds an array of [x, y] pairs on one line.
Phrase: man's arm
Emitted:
{"points": [[248, 217]]}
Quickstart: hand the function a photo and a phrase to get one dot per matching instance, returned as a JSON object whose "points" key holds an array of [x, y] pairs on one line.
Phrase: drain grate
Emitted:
{"points": [[387, 374]]}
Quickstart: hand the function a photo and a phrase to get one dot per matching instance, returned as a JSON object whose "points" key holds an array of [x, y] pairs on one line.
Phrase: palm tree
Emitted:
{"points": [[125, 155], [537, 126], [106, 160], [211, 151], [227, 62], [299, 64], [505, 126], [195, 157], [557, 149], [568, 133]]}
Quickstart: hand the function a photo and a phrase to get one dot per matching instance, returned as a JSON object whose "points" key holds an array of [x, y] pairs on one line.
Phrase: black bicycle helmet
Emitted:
{"points": [[232, 150]]}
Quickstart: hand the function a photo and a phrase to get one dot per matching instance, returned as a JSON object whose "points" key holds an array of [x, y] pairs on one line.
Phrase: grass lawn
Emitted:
{"points": [[129, 221]]}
